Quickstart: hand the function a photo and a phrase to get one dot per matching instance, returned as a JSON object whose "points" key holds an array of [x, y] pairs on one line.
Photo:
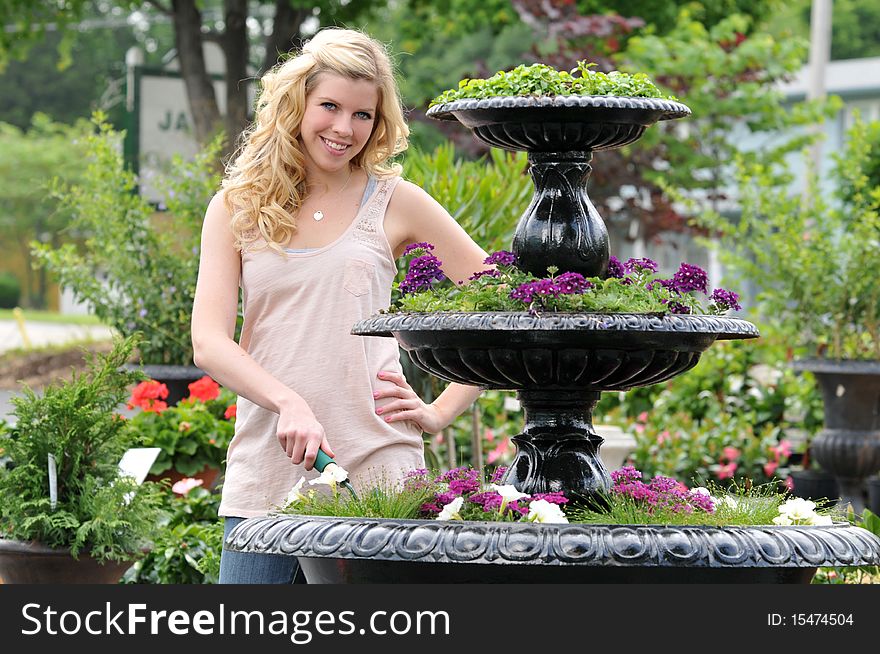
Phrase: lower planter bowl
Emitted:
{"points": [[374, 550], [31, 563]]}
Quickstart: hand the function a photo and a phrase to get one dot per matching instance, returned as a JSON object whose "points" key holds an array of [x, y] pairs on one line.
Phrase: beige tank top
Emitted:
{"points": [[299, 309]]}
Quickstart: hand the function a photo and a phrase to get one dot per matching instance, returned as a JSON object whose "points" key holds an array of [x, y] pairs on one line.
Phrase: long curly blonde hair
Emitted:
{"points": [[265, 185]]}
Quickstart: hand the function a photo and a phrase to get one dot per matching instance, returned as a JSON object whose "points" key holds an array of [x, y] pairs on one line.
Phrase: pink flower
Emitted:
{"points": [[789, 484], [663, 437], [783, 450], [770, 468], [730, 453], [725, 471], [186, 484], [643, 417], [500, 450]]}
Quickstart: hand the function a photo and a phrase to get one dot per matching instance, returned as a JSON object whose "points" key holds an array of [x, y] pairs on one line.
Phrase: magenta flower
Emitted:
{"points": [[725, 300], [640, 265], [615, 268], [501, 258], [572, 283], [690, 278], [412, 247]]}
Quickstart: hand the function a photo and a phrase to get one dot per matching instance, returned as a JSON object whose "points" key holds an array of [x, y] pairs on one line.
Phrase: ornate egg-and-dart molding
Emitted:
{"points": [[671, 108], [385, 324], [422, 541]]}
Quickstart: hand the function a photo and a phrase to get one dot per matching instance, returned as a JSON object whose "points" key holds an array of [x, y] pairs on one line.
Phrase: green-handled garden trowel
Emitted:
{"points": [[323, 460]]}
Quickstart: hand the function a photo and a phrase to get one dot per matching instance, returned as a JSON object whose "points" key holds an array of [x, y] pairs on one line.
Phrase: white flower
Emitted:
{"points": [[701, 491], [295, 495], [798, 510], [782, 520], [821, 520], [727, 501], [508, 493], [544, 511], [332, 475], [450, 511]]}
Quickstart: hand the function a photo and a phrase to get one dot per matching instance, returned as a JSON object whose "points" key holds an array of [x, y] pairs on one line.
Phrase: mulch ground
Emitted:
{"points": [[39, 368]]}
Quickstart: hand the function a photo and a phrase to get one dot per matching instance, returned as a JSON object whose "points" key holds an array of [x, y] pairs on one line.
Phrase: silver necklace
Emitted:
{"points": [[319, 215]]}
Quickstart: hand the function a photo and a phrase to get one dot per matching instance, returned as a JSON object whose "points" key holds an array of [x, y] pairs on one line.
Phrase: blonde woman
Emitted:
{"points": [[309, 222]]}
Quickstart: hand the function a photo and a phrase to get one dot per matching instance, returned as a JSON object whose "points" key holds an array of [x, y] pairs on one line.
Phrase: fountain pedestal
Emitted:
{"points": [[558, 364]]}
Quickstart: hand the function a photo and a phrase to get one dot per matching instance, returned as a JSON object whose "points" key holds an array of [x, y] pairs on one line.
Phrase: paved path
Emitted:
{"points": [[47, 333]]}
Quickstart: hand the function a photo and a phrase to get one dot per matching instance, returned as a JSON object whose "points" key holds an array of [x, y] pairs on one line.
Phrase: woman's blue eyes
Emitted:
{"points": [[363, 115]]}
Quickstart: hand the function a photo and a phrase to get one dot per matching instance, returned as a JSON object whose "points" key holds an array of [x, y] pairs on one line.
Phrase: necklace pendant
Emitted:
{"points": [[318, 215]]}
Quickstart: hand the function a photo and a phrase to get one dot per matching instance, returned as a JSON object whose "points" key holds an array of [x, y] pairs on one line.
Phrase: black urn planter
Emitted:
{"points": [[848, 446], [814, 485], [363, 550], [32, 563], [873, 485], [558, 363]]}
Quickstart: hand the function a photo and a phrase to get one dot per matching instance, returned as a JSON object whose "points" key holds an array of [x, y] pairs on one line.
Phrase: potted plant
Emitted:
{"points": [[136, 267], [66, 514], [193, 434], [816, 262]]}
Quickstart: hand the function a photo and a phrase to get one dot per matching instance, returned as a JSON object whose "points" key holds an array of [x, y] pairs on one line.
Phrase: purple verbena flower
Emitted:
{"points": [[557, 497], [501, 258], [677, 307], [427, 247], [725, 300], [492, 272], [530, 290], [633, 265], [690, 278], [463, 486], [488, 500], [498, 474], [422, 272], [615, 268], [572, 283]]}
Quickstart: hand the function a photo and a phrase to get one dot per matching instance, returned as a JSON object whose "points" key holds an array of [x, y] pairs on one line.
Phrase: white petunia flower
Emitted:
{"points": [[332, 475], [798, 510], [544, 511], [295, 495], [727, 501], [450, 511], [701, 491], [782, 520], [508, 493], [821, 520]]}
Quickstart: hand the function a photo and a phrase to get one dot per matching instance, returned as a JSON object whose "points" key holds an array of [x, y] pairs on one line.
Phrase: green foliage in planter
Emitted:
{"points": [[192, 434], [98, 512], [186, 544], [135, 268], [815, 259], [542, 80]]}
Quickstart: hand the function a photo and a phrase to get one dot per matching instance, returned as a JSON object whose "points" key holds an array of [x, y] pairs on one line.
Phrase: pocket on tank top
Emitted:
{"points": [[358, 276]]}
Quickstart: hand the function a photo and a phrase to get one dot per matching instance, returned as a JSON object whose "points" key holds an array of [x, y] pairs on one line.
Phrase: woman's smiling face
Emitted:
{"points": [[338, 121]]}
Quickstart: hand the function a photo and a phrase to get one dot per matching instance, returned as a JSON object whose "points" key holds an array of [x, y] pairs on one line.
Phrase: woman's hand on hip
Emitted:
{"points": [[301, 435], [406, 405]]}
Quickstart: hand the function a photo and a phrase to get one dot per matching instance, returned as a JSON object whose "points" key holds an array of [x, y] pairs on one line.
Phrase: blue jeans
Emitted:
{"points": [[254, 568]]}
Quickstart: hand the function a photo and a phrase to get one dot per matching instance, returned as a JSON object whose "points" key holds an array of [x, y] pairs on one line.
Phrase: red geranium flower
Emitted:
{"points": [[148, 395], [204, 389], [231, 411]]}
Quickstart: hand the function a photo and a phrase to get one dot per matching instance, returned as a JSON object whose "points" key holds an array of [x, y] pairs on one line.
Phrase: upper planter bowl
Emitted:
{"points": [[559, 123]]}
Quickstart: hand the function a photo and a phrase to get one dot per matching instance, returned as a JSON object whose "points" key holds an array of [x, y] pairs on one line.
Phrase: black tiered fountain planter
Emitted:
{"points": [[558, 363]]}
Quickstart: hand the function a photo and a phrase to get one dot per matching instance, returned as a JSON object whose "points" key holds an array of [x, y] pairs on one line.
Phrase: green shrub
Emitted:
{"points": [[95, 511], [10, 290], [149, 264]]}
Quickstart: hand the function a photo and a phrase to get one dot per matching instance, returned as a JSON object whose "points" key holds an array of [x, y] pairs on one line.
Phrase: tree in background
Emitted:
{"points": [[29, 160], [92, 80], [229, 23]]}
